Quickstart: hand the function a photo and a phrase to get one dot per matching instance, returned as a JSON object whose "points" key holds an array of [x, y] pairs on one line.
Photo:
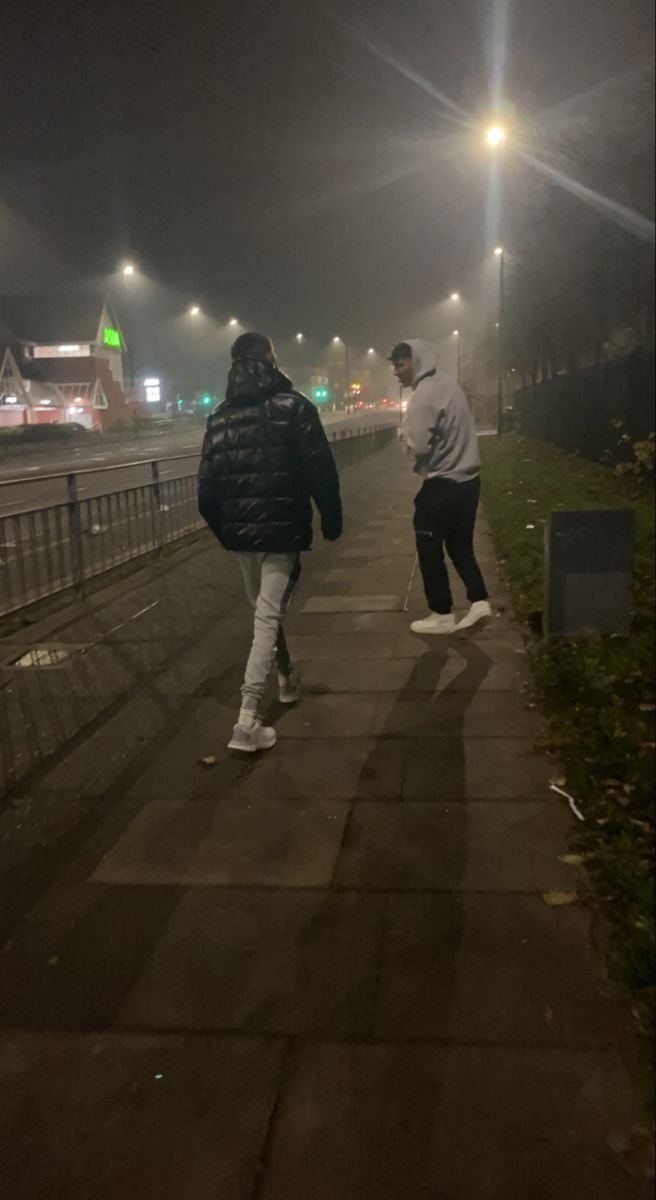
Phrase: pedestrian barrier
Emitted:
{"points": [[56, 547]]}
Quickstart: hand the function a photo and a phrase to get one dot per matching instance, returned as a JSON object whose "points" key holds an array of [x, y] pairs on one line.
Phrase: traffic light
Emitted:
{"points": [[320, 394], [206, 400]]}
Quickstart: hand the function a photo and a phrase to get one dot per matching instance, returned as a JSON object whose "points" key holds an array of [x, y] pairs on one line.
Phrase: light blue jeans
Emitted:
{"points": [[270, 581]]}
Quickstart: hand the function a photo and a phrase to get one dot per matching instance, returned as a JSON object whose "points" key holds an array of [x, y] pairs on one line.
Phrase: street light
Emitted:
{"points": [[454, 296], [233, 321], [194, 311], [128, 269], [499, 251], [495, 135], [299, 337], [371, 350]]}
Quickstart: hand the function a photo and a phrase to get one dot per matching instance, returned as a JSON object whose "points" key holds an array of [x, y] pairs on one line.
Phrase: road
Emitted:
{"points": [[45, 545], [23, 486]]}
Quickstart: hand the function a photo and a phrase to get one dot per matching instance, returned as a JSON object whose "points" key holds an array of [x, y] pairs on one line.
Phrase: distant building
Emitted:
{"points": [[66, 349]]}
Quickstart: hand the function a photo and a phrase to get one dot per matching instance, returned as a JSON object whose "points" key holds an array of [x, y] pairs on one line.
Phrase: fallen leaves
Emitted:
{"points": [[571, 860], [208, 761], [559, 899]]}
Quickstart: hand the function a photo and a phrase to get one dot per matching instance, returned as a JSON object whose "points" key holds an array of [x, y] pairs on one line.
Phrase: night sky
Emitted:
{"points": [[259, 158]]}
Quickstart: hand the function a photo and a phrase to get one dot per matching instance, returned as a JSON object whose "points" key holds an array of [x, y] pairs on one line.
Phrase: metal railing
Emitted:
{"points": [[60, 546]]}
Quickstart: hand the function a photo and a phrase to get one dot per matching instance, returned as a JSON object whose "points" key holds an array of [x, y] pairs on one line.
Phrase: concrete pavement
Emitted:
{"points": [[331, 972]]}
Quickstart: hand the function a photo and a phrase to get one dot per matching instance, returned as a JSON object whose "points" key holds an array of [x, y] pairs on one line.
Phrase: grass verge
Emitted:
{"points": [[597, 693]]}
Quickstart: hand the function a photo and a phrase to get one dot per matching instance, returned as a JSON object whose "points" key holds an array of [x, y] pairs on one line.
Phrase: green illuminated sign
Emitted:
{"points": [[111, 337]]}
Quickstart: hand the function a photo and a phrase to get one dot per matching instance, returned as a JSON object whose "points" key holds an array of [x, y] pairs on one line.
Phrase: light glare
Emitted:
{"points": [[495, 136]]}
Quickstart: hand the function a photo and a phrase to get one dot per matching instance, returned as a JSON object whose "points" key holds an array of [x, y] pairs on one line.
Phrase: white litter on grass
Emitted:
{"points": [[570, 800], [530, 526]]}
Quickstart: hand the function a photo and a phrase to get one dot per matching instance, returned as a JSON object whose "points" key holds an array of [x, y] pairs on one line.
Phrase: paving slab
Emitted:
{"points": [[459, 1123], [490, 847], [283, 843], [313, 647], [136, 1117], [330, 717], [70, 963], [433, 672], [470, 713], [294, 962], [342, 603], [483, 768], [499, 969], [99, 761], [358, 768]]}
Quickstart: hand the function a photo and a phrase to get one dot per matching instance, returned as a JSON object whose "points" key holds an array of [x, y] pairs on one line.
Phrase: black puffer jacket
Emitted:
{"points": [[264, 455]]}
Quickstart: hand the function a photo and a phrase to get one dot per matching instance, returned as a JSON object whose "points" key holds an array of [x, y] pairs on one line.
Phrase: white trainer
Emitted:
{"points": [[443, 623], [250, 738], [479, 614], [289, 688]]}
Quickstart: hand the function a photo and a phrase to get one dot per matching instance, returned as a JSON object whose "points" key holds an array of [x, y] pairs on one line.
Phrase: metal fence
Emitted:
{"points": [[579, 411], [50, 549]]}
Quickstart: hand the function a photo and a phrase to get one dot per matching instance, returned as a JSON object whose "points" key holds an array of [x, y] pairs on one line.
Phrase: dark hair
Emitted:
{"points": [[399, 351], [252, 345]]}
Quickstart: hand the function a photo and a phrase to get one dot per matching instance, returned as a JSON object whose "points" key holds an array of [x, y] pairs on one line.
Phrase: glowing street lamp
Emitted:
{"points": [[194, 311], [128, 269], [454, 296], [371, 350], [336, 341], [495, 135], [299, 337], [498, 251], [233, 321]]}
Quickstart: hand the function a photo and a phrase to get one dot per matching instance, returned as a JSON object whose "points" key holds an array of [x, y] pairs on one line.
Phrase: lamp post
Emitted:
{"points": [[495, 137], [457, 335], [501, 255], [347, 368], [127, 271]]}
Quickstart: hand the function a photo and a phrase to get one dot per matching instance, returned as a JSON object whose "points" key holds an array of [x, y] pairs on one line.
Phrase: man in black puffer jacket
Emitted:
{"points": [[265, 457]]}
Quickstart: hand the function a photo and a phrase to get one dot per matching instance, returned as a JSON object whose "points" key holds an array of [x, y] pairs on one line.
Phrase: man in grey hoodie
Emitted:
{"points": [[441, 433]]}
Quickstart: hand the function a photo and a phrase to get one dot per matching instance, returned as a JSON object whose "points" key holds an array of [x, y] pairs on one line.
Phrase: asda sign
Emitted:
{"points": [[111, 337]]}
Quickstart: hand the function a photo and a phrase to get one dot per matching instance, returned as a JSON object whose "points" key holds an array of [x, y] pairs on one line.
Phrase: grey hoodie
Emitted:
{"points": [[439, 423]]}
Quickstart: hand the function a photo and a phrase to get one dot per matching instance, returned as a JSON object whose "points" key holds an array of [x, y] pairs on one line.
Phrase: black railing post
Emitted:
{"points": [[75, 531]]}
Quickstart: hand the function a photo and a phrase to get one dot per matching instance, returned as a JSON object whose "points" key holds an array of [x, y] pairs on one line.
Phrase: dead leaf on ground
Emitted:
{"points": [[208, 761], [647, 707], [559, 899], [571, 860]]}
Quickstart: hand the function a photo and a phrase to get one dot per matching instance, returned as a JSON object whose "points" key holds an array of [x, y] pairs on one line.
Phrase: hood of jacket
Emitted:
{"points": [[424, 359], [252, 380]]}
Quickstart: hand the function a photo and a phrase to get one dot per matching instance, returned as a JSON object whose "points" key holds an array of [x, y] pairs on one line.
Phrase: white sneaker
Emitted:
{"points": [[479, 614], [289, 688], [435, 623], [250, 738]]}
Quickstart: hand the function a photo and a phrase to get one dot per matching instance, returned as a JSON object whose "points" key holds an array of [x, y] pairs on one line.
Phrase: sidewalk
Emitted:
{"points": [[328, 973]]}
